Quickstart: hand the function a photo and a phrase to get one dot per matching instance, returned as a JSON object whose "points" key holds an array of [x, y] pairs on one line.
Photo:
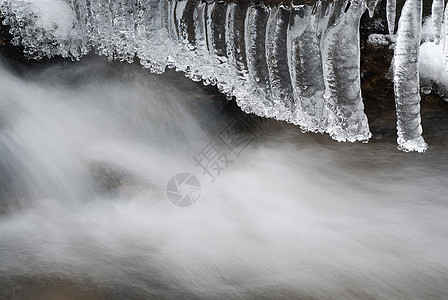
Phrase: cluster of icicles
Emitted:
{"points": [[297, 63]]}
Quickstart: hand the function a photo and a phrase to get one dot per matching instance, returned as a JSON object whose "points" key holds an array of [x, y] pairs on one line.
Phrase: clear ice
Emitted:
{"points": [[406, 78], [391, 14], [341, 57], [437, 19], [445, 41], [296, 63]]}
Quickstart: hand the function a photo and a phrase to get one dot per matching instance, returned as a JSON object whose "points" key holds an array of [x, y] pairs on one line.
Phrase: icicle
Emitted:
{"points": [[391, 7], [236, 49], [341, 57], [151, 34], [437, 17], [371, 5], [203, 62], [196, 37], [124, 21], [81, 47], [406, 78], [445, 40], [277, 61], [172, 32], [218, 48], [187, 39], [256, 19], [188, 24], [305, 64], [180, 55]]}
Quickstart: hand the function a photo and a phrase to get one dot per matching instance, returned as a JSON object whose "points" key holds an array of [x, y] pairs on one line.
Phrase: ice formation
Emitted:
{"points": [[391, 14], [406, 78], [297, 63], [433, 76], [445, 42], [437, 17]]}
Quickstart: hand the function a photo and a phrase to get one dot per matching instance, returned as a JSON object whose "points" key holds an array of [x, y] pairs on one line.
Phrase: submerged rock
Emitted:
{"points": [[115, 181]]}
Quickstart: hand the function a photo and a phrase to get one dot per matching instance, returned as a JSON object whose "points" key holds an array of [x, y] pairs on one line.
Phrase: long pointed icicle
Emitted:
{"points": [[406, 78], [371, 5], [391, 14], [445, 40], [437, 17]]}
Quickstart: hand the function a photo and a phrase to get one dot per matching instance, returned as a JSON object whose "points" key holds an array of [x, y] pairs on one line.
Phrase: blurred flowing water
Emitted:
{"points": [[87, 149]]}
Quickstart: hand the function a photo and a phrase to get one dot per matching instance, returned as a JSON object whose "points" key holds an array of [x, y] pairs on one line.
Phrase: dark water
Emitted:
{"points": [[87, 150]]}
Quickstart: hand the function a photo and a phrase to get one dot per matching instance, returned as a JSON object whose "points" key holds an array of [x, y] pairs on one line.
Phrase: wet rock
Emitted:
{"points": [[377, 90], [113, 180]]}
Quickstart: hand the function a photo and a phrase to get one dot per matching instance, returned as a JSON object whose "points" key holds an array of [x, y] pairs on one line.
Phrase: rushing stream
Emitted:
{"points": [[87, 150]]}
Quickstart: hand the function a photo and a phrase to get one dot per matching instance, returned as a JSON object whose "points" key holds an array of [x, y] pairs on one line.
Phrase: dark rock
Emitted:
{"points": [[6, 48], [113, 180]]}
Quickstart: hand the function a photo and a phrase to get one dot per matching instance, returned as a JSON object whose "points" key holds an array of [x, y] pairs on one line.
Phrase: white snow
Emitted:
{"points": [[55, 16], [432, 63]]}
